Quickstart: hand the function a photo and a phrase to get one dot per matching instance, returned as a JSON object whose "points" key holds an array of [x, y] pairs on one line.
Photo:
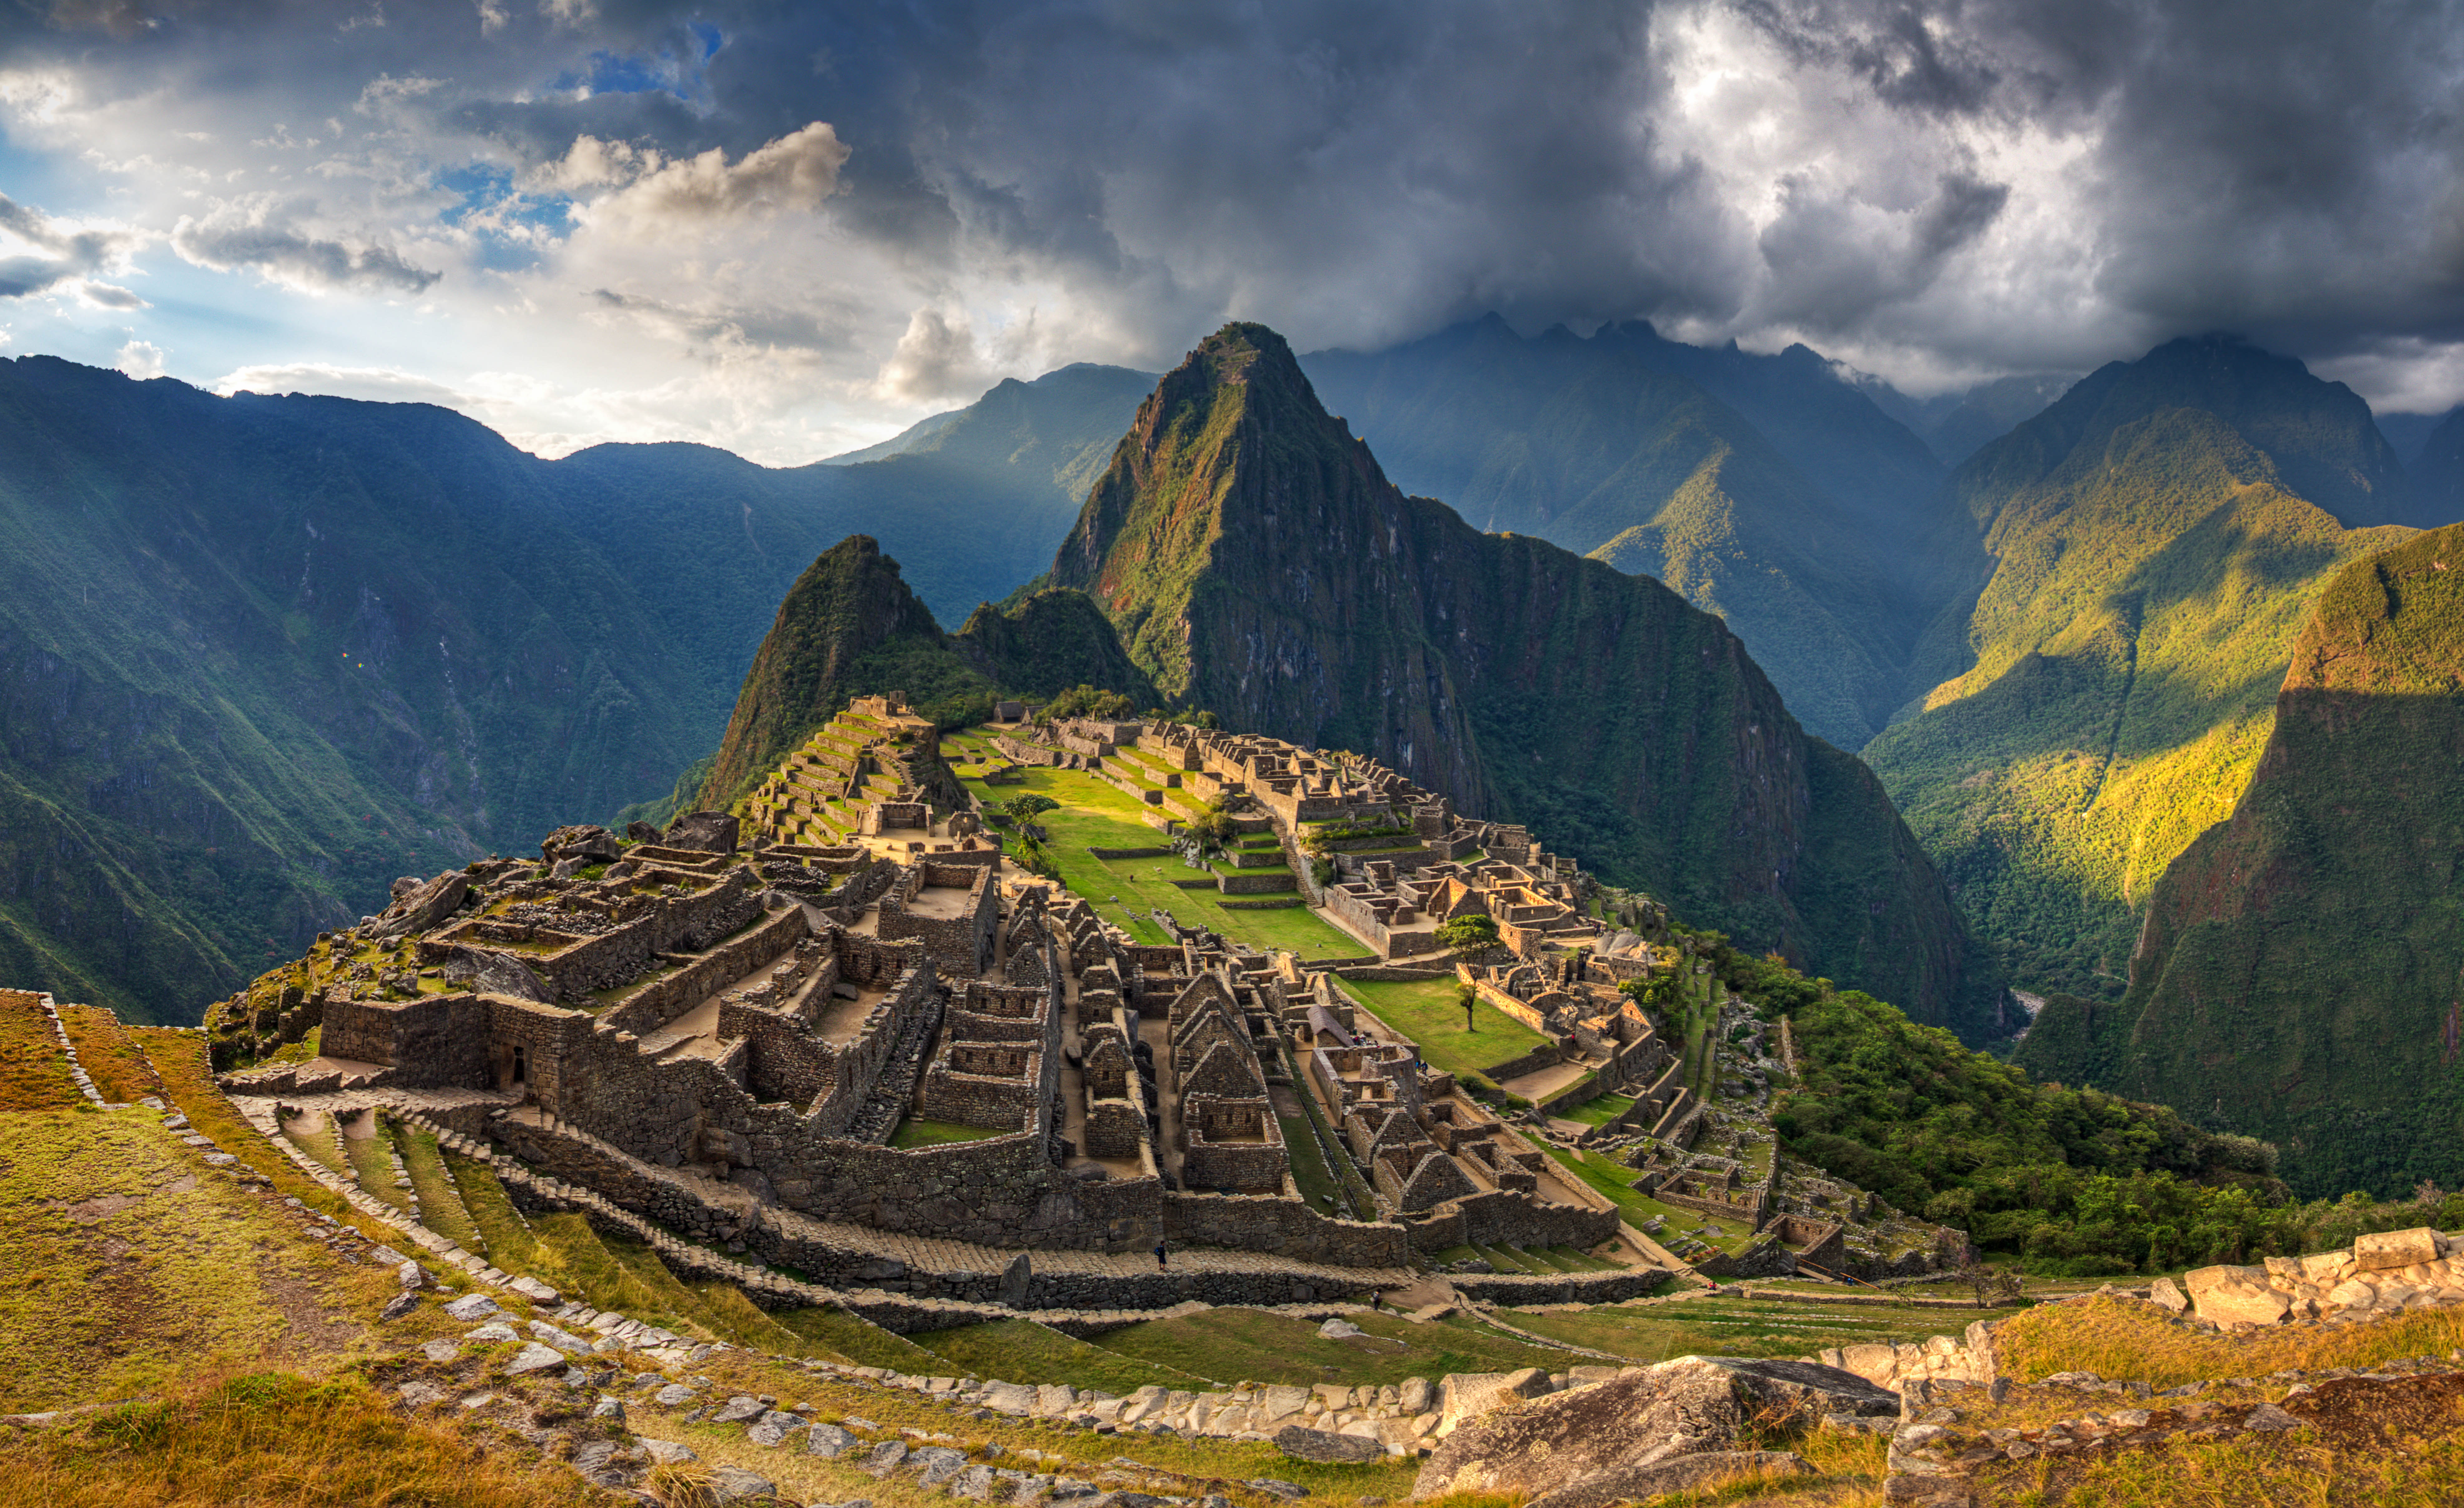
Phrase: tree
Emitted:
{"points": [[1470, 934], [1465, 996], [1085, 701], [1019, 808], [1651, 991]]}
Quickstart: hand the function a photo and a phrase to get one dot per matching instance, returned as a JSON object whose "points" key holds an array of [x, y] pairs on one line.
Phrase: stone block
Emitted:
{"points": [[2386, 1248], [2234, 1297], [1304, 1444], [2163, 1294], [1467, 1395]]}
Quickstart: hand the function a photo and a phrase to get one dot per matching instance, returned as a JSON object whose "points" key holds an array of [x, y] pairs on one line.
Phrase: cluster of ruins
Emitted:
{"points": [[762, 999]]}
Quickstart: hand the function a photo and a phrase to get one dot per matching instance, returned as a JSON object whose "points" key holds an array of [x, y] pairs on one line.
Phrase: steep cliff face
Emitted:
{"points": [[2298, 975], [1256, 562]]}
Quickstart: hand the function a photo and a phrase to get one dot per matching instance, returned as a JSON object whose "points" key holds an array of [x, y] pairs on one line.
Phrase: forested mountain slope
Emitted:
{"points": [[261, 655], [1765, 489], [2297, 975], [2143, 554]]}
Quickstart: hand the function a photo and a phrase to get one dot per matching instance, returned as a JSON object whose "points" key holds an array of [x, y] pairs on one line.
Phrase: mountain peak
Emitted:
{"points": [[2319, 435]]}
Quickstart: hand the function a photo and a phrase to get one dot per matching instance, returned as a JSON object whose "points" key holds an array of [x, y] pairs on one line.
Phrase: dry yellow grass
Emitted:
{"points": [[271, 1440], [33, 1071], [2250, 1471], [112, 1060], [126, 1263], [2125, 1339], [179, 1059]]}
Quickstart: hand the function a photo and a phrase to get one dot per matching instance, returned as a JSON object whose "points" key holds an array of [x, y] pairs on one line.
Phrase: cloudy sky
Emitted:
{"points": [[793, 228]]}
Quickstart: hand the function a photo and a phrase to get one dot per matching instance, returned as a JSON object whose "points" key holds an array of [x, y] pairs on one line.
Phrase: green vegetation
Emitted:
{"points": [[1085, 701], [2071, 1181], [1470, 934], [917, 1132], [1023, 1351], [1615, 1182], [1599, 1111], [1726, 1326], [1233, 1345], [2297, 977], [440, 1206], [2154, 539], [1089, 814], [1430, 1013]]}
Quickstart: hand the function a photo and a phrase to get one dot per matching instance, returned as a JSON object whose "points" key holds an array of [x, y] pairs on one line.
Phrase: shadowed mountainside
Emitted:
{"points": [[850, 627]]}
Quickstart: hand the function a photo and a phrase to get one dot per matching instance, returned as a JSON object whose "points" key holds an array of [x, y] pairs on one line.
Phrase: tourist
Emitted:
{"points": [[1158, 1256]]}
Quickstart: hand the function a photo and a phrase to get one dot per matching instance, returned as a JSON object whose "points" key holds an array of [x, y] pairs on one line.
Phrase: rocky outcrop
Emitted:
{"points": [[702, 832], [422, 907], [1661, 1429]]}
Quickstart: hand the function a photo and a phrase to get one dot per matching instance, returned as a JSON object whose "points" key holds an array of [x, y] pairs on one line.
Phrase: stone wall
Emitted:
{"points": [[437, 1042], [962, 945], [1116, 1128], [1505, 1218], [1230, 1144], [662, 1000], [1285, 1227], [993, 1085]]}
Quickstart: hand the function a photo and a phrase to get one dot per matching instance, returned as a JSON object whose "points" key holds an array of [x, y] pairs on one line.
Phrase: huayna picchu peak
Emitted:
{"points": [[1258, 563]]}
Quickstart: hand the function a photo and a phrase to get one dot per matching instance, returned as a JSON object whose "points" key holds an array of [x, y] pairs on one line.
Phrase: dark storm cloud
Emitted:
{"points": [[2018, 184]]}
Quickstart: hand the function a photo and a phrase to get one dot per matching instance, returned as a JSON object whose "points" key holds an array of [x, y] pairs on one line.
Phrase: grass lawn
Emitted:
{"points": [[1425, 1011], [1308, 1166], [1094, 815], [1233, 1344], [440, 1206], [916, 1131], [372, 1164], [1741, 1328], [1023, 1351], [1599, 1111]]}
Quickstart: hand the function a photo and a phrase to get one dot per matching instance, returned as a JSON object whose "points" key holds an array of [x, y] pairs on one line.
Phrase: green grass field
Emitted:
{"points": [[1233, 1344], [1599, 1111], [1611, 1179], [1425, 1011], [1095, 815]]}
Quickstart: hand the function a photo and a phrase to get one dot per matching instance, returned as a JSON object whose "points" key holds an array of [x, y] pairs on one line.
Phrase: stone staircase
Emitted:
{"points": [[893, 1092]]}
